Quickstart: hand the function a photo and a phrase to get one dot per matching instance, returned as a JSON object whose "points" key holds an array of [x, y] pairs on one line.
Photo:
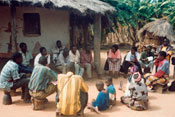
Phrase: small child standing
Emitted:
{"points": [[111, 90], [102, 100]]}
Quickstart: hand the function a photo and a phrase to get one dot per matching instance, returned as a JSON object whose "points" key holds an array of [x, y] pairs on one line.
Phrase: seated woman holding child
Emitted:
{"points": [[136, 95], [161, 76]]}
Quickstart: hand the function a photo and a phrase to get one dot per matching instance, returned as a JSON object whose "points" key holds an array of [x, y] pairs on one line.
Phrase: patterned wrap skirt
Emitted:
{"points": [[115, 66], [152, 80]]}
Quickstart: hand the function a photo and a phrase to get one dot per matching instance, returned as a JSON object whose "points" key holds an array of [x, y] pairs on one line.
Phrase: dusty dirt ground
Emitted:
{"points": [[160, 105]]}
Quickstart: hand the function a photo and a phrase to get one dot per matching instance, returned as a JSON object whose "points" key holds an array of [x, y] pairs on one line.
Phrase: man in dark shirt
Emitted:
{"points": [[147, 59]]}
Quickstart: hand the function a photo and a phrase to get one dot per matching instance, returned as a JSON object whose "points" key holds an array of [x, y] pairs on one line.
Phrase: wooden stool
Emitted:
{"points": [[160, 88], [7, 100], [38, 104]]}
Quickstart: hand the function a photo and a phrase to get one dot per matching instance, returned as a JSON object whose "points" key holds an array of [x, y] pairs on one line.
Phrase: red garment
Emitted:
{"points": [[85, 57], [158, 63]]}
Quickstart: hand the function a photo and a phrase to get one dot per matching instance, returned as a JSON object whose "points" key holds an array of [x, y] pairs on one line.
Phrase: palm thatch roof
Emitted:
{"points": [[78, 6], [158, 28]]}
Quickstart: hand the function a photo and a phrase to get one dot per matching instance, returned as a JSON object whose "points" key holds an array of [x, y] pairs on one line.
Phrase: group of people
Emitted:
{"points": [[71, 90], [39, 80], [140, 82], [146, 60]]}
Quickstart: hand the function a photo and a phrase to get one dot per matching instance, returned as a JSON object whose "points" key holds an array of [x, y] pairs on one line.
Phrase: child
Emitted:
{"points": [[102, 101], [138, 98], [111, 90]]}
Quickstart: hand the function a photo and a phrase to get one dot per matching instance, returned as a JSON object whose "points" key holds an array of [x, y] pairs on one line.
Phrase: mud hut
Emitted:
{"points": [[46, 21], [154, 32]]}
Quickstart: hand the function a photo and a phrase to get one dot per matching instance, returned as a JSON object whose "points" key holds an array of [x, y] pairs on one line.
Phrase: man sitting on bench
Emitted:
{"points": [[10, 79]]}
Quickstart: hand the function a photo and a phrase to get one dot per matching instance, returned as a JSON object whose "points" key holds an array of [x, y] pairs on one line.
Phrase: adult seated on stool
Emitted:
{"points": [[27, 59], [132, 58], [161, 76], [10, 79], [40, 84], [147, 60], [73, 94]]}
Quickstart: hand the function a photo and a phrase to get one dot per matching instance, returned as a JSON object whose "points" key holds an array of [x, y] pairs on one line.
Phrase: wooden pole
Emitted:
{"points": [[97, 42], [13, 27], [85, 31]]}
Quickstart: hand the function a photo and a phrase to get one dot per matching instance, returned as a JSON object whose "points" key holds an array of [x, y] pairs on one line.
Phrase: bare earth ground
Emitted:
{"points": [[160, 105]]}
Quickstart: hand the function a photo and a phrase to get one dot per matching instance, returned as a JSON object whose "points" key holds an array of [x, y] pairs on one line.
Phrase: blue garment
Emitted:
{"points": [[102, 101], [41, 77], [111, 89], [164, 67], [112, 92], [25, 69], [9, 71]]}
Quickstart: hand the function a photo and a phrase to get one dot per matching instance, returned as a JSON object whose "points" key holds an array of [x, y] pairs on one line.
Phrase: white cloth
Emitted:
{"points": [[127, 91], [56, 52], [75, 58], [26, 58], [128, 56], [38, 57], [62, 60], [150, 58]]}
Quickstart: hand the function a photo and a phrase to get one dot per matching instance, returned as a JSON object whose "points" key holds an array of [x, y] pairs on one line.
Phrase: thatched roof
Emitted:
{"points": [[79, 6], [159, 28]]}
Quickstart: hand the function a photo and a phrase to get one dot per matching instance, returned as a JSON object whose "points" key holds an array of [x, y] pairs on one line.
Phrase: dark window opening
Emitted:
{"points": [[31, 24]]}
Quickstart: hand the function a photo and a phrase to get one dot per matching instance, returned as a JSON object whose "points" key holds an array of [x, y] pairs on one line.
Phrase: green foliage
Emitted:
{"points": [[137, 13]]}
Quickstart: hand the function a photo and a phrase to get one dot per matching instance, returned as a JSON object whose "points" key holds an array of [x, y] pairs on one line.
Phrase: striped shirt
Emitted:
{"points": [[40, 78], [10, 70], [69, 87]]}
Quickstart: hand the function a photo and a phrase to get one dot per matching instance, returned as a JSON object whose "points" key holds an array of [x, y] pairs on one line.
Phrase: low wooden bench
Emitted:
{"points": [[160, 88]]}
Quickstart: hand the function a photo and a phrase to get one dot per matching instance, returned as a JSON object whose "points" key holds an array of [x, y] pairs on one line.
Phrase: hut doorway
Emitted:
{"points": [[81, 31]]}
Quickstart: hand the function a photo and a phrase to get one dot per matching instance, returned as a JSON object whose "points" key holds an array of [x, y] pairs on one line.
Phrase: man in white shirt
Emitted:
{"points": [[43, 52], [56, 51], [132, 58], [27, 58], [74, 56], [63, 62]]}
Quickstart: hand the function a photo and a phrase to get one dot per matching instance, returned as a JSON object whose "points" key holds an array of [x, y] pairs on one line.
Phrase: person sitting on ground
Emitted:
{"points": [[114, 59], [147, 59], [63, 63], [161, 76], [10, 79], [43, 52], [138, 98], [86, 60], [56, 51], [102, 101], [27, 59], [111, 90], [166, 47], [132, 58], [42, 80], [73, 94], [74, 56], [126, 90]]}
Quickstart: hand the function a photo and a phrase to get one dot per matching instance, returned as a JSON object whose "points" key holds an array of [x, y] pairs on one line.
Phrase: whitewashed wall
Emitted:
{"points": [[54, 26]]}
